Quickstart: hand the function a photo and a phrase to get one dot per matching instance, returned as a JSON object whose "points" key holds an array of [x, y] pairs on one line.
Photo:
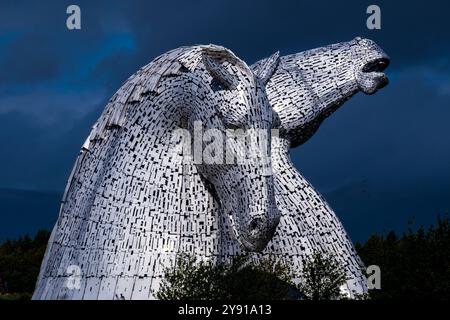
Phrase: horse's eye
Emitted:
{"points": [[216, 85], [232, 126]]}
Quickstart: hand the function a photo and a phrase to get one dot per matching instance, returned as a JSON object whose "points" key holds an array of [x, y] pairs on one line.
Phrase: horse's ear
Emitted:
{"points": [[225, 67], [267, 67]]}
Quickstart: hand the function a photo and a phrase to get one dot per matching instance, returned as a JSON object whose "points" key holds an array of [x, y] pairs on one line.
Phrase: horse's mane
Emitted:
{"points": [[145, 82]]}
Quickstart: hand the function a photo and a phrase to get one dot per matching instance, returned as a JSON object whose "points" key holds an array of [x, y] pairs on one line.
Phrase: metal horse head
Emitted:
{"points": [[230, 103], [309, 86]]}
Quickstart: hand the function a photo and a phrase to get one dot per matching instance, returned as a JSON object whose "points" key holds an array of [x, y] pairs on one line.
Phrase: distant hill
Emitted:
{"points": [[25, 212]]}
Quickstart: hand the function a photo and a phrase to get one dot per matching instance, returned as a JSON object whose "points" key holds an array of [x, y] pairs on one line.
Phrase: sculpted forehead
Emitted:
{"points": [[241, 103], [314, 58], [344, 54]]}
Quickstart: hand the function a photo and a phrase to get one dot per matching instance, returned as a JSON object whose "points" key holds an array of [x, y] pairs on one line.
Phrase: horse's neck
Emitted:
{"points": [[307, 217], [294, 193], [181, 209]]}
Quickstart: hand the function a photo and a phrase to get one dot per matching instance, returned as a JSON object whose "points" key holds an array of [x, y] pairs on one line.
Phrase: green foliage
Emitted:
{"points": [[321, 278], [20, 261], [239, 279], [415, 266], [15, 296]]}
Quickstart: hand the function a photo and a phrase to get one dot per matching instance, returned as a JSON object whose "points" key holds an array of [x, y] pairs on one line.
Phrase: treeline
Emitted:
{"points": [[415, 265], [20, 261]]}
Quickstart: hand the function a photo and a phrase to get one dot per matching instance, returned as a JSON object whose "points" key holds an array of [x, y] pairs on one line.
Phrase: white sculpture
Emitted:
{"points": [[134, 200], [304, 90]]}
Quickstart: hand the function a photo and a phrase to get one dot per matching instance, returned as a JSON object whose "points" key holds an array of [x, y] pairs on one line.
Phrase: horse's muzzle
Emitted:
{"points": [[260, 231]]}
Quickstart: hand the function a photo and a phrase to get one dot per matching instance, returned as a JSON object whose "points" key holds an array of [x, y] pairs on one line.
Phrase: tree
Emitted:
{"points": [[20, 261], [238, 279], [242, 278], [414, 266], [322, 277], [3, 288]]}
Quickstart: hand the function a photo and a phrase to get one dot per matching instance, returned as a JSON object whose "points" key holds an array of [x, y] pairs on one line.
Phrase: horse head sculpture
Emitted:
{"points": [[133, 202], [231, 98], [307, 87], [153, 179], [304, 90]]}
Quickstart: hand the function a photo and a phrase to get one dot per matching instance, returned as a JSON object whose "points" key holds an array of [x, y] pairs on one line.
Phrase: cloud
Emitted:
{"points": [[29, 59], [397, 136], [40, 156], [49, 106]]}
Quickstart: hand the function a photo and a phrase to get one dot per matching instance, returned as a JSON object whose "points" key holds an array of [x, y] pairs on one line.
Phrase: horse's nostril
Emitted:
{"points": [[376, 65], [255, 226]]}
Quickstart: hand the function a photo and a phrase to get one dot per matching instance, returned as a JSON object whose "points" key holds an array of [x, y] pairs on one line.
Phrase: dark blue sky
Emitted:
{"points": [[54, 83]]}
